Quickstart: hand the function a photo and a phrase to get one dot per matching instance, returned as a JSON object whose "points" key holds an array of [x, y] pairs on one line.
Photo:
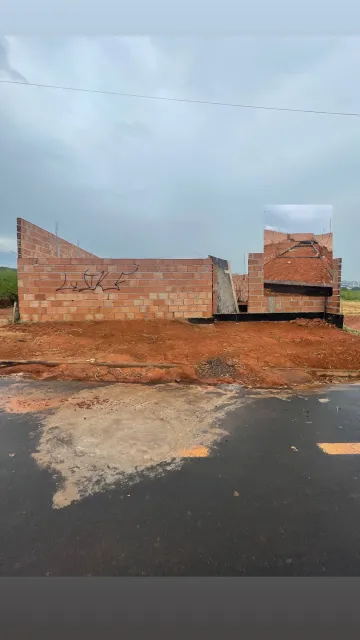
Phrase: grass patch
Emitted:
{"points": [[353, 331], [8, 286], [350, 294]]}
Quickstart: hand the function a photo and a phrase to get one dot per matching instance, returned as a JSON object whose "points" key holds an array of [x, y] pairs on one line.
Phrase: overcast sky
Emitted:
{"points": [[145, 178], [299, 218]]}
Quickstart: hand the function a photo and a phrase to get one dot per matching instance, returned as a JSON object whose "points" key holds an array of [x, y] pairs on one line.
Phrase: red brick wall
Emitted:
{"points": [[34, 242], [326, 240], [333, 302], [157, 289], [272, 237], [260, 301], [257, 302], [241, 285], [301, 237], [273, 250], [294, 303], [57, 288]]}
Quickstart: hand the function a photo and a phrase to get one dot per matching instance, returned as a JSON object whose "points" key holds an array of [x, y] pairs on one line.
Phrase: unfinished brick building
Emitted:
{"points": [[295, 273], [59, 281]]}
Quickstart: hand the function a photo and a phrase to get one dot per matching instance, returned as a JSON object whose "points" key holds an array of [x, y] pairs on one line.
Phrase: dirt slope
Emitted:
{"points": [[254, 354]]}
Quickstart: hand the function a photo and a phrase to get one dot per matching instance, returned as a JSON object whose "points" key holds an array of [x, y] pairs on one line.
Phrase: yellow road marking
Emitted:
{"points": [[195, 452], [340, 448]]}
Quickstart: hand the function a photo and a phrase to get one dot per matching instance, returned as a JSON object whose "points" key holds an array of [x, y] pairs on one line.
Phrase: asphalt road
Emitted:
{"points": [[255, 507]]}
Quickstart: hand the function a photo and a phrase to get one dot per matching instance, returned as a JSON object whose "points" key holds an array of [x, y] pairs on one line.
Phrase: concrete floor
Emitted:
{"points": [[254, 506]]}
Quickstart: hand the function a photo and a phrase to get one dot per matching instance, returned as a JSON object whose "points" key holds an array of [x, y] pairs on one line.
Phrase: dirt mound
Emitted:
{"points": [[250, 353], [307, 322], [216, 368]]}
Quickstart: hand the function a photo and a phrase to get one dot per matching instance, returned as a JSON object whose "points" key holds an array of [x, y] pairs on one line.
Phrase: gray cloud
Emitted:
{"points": [[299, 218], [141, 178]]}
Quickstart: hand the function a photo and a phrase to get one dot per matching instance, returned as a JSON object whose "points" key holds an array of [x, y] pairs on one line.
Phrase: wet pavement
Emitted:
{"points": [[268, 501]]}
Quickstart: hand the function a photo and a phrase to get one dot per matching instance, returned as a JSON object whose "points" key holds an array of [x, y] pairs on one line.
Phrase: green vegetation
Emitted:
{"points": [[350, 294], [8, 286], [353, 331]]}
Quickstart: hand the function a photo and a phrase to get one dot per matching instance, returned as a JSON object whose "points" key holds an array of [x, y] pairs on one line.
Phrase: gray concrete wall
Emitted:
{"points": [[225, 301]]}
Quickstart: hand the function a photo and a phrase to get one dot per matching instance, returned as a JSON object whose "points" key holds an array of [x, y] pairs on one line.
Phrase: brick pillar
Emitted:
{"points": [[257, 302], [19, 237], [333, 302]]}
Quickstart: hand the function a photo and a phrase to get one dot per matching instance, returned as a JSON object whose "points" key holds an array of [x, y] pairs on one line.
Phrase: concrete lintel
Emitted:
{"points": [[293, 283]]}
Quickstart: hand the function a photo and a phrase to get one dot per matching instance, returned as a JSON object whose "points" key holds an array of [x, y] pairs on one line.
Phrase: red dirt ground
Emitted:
{"points": [[6, 313], [353, 322], [255, 354]]}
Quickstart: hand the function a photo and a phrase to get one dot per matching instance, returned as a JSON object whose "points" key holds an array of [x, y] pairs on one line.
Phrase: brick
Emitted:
{"points": [[145, 294]]}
